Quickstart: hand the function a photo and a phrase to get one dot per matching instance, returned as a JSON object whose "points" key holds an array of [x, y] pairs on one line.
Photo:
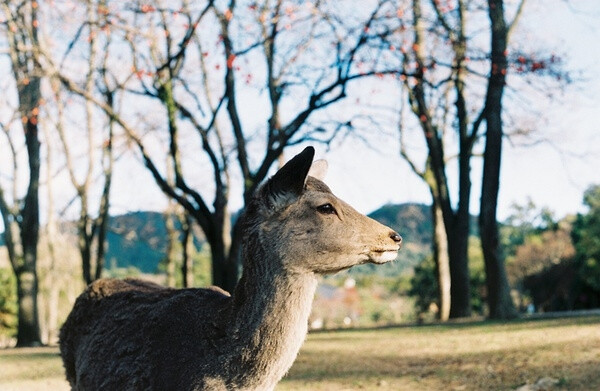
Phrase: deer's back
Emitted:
{"points": [[123, 334]]}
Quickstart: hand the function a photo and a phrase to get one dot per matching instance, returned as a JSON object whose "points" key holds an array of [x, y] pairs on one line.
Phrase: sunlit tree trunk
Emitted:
{"points": [[442, 262], [52, 279], [439, 234]]}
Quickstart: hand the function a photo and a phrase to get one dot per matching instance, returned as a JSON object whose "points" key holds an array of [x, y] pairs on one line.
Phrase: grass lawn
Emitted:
{"points": [[480, 356]]}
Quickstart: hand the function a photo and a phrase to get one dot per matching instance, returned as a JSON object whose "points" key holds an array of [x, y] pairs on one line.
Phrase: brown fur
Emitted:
{"points": [[134, 335]]}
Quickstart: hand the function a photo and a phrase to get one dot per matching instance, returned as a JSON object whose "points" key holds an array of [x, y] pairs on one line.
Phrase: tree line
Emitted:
{"points": [[228, 87], [551, 264]]}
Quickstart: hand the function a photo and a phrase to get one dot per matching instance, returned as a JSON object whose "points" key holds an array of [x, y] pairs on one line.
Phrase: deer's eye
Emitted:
{"points": [[326, 209]]}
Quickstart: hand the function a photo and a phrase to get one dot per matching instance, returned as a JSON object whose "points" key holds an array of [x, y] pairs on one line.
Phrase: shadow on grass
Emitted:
{"points": [[481, 355], [524, 323], [499, 369]]}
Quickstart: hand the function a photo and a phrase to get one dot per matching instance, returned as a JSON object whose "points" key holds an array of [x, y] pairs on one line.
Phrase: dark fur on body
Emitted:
{"points": [[154, 320], [134, 335]]}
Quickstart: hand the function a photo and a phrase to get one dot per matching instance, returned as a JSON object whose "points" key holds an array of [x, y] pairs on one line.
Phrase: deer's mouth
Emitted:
{"points": [[383, 256]]}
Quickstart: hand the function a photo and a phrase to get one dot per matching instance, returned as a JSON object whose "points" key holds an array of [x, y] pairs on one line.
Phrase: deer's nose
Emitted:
{"points": [[396, 237]]}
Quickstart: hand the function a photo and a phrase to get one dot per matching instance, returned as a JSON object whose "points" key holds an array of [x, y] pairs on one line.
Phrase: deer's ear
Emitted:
{"points": [[288, 182], [318, 169]]}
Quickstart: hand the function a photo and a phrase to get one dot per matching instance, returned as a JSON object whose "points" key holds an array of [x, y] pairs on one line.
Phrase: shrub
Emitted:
{"points": [[8, 303]]}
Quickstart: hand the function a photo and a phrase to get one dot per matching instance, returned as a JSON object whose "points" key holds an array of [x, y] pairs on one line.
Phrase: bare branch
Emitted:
{"points": [[201, 213], [515, 21]]}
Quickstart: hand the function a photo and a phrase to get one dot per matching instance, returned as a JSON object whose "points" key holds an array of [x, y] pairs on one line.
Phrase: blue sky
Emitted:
{"points": [[553, 173]]}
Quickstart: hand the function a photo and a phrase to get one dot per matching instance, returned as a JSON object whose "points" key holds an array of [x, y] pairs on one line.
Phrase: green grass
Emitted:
{"points": [[473, 356]]}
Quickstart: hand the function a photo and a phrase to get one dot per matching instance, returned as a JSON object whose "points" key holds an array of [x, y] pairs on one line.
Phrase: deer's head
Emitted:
{"points": [[296, 220]]}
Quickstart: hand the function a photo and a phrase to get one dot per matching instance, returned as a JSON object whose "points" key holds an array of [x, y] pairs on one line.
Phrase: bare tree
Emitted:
{"points": [[197, 63], [432, 116], [84, 176], [21, 214], [440, 237], [455, 87]]}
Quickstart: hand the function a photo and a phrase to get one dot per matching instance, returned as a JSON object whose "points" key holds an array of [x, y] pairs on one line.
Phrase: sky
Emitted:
{"points": [[553, 173]]}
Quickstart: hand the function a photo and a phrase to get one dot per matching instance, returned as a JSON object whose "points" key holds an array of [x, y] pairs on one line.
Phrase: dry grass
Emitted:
{"points": [[31, 369], [484, 356]]}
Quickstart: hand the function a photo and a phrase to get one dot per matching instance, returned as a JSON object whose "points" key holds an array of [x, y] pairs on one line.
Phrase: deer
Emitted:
{"points": [[132, 334]]}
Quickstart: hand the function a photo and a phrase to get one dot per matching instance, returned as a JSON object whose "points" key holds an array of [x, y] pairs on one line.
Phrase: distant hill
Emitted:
{"points": [[137, 239], [412, 221]]}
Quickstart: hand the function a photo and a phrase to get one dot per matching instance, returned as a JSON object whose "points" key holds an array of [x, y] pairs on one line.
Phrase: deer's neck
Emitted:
{"points": [[270, 323]]}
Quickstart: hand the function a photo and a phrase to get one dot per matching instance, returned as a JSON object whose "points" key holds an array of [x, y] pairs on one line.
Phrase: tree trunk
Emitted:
{"points": [[187, 243], [223, 247], [451, 241], [28, 333], [499, 299], [52, 311], [219, 266], [21, 223], [458, 240], [51, 282], [456, 223], [220, 244], [498, 291], [27, 280], [460, 290], [442, 262], [101, 224], [84, 240], [172, 239], [235, 255]]}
